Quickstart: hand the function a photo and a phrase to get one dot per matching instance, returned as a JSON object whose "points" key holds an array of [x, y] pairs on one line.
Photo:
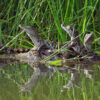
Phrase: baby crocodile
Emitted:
{"points": [[81, 49], [74, 35], [34, 36]]}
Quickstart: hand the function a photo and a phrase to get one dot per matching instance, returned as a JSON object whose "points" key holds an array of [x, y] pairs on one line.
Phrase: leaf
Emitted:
{"points": [[57, 63]]}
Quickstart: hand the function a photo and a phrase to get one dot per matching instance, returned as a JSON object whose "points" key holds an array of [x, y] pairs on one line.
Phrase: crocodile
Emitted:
{"points": [[40, 44], [84, 48], [44, 48]]}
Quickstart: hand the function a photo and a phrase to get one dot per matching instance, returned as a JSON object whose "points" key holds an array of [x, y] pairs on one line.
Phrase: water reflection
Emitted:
{"points": [[41, 70], [8, 89]]}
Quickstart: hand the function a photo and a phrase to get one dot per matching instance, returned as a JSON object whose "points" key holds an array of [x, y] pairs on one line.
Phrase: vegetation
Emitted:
{"points": [[47, 16]]}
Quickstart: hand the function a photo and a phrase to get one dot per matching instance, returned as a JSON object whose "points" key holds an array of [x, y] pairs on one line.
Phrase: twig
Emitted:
{"points": [[10, 41]]}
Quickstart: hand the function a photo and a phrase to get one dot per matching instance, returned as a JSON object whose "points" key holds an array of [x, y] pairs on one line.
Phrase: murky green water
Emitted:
{"points": [[21, 82]]}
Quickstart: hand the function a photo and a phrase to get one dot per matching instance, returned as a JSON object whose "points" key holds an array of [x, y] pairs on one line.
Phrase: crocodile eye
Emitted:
{"points": [[71, 28]]}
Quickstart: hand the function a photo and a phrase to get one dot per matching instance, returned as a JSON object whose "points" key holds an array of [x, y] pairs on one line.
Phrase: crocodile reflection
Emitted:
{"points": [[39, 71], [75, 70]]}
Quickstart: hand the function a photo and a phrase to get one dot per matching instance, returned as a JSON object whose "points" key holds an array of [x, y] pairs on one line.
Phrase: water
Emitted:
{"points": [[19, 81]]}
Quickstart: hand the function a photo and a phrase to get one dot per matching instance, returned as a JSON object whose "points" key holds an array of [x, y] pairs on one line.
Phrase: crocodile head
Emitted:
{"points": [[31, 32], [72, 32], [88, 39]]}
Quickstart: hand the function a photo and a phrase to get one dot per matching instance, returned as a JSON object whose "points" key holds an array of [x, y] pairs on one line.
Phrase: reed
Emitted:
{"points": [[47, 16]]}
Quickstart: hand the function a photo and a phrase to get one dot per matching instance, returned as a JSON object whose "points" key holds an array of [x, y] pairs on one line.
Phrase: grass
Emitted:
{"points": [[47, 16]]}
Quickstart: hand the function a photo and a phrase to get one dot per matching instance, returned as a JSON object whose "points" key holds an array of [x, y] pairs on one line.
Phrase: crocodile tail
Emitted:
{"points": [[8, 50], [18, 50]]}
